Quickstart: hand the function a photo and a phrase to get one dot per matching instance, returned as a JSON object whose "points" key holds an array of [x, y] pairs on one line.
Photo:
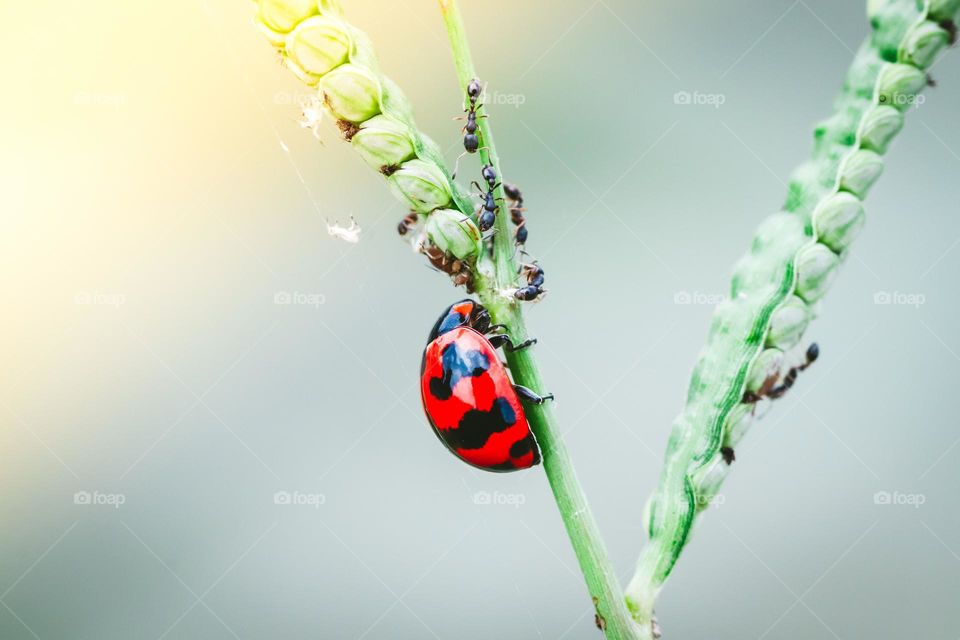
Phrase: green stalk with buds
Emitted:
{"points": [[793, 260], [777, 285]]}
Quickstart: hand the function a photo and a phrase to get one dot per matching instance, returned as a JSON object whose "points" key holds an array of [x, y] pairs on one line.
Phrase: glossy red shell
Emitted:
{"points": [[471, 403]]}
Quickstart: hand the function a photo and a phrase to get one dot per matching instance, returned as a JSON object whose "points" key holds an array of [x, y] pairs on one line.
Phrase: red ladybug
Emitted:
{"points": [[468, 396]]}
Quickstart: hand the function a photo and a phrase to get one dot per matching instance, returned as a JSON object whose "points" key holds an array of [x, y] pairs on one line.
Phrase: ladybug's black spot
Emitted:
{"points": [[520, 448], [503, 466], [457, 364], [477, 426]]}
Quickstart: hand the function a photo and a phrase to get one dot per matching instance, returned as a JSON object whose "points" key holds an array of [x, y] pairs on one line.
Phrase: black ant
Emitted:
{"points": [[407, 224], [772, 390], [516, 212], [813, 353], [471, 141], [488, 214], [535, 279]]}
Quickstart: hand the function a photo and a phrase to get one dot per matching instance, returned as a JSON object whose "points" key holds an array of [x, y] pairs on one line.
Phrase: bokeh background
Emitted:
{"points": [[159, 197]]}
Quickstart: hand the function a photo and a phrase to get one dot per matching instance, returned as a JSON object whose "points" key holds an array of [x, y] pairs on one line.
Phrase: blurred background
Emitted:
{"points": [[186, 456]]}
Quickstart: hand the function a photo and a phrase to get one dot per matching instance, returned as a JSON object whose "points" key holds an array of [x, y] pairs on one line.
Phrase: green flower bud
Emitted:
{"points": [[767, 365], [838, 221], [922, 44], [788, 324], [816, 269], [351, 93], [422, 184], [899, 85], [737, 424], [860, 171], [384, 143], [707, 482], [941, 10], [454, 233], [319, 45], [879, 127], [281, 16]]}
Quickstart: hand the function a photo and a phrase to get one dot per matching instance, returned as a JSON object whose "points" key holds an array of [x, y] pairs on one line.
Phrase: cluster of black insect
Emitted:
{"points": [[516, 212]]}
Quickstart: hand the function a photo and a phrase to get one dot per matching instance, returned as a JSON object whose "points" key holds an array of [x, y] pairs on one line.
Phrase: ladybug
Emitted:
{"points": [[468, 396]]}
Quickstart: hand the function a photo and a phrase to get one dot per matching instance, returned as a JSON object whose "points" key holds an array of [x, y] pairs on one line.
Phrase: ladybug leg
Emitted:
{"points": [[503, 340], [531, 396]]}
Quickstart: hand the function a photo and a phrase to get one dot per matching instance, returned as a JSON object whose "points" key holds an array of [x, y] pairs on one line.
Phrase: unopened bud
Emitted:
{"points": [[860, 171], [816, 269], [281, 16], [422, 184], [838, 221], [453, 233], [384, 143], [899, 85], [922, 44], [788, 324], [942, 10], [351, 93], [879, 127], [318, 45]]}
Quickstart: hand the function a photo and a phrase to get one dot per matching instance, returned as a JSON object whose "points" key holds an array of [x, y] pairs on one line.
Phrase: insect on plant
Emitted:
{"points": [[498, 423]]}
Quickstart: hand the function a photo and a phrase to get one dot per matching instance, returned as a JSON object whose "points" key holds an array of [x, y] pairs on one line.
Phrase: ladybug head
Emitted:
{"points": [[465, 313]]}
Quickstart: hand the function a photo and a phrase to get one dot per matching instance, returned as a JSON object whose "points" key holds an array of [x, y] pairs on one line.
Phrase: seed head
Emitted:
{"points": [[923, 43], [899, 85], [351, 93], [816, 269], [281, 16], [838, 221], [422, 185], [454, 234], [879, 127], [383, 142], [318, 45], [788, 324], [860, 171]]}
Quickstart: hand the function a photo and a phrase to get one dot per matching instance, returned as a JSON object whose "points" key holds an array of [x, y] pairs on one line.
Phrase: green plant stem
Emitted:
{"points": [[582, 529]]}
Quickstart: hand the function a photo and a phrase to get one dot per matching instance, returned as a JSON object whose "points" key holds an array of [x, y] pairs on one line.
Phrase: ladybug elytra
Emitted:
{"points": [[468, 396]]}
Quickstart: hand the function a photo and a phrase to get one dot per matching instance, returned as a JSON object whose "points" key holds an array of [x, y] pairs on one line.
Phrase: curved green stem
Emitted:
{"points": [[605, 591]]}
